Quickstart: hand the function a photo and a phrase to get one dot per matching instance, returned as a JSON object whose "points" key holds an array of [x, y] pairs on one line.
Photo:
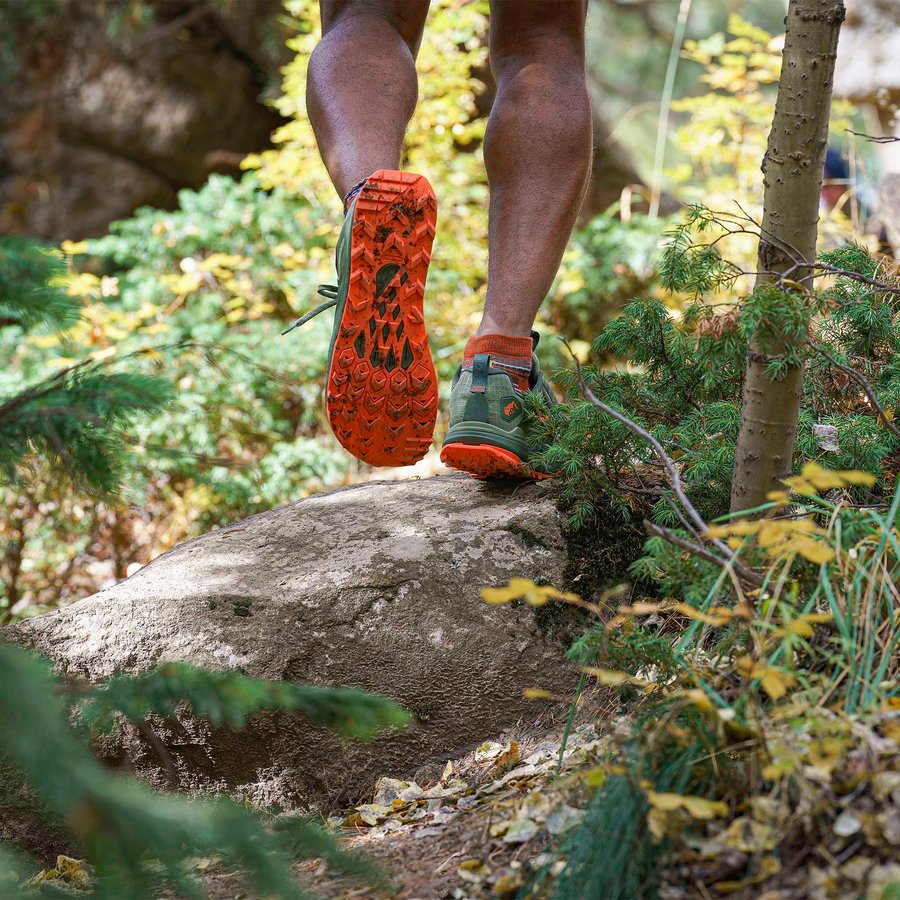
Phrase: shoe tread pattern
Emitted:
{"points": [[382, 396]]}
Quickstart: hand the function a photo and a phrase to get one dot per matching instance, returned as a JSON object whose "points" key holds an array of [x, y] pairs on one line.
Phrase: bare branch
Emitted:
{"points": [[655, 530], [885, 139], [862, 381], [855, 276], [669, 465]]}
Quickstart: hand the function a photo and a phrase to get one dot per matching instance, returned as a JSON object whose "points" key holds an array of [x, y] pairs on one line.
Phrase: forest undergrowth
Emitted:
{"points": [[753, 656]]}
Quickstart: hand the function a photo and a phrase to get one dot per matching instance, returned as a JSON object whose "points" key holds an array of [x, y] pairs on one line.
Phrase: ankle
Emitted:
{"points": [[509, 353], [516, 328]]}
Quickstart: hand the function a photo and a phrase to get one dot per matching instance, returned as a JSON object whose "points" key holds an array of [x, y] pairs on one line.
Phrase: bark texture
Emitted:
{"points": [[375, 586], [792, 170]]}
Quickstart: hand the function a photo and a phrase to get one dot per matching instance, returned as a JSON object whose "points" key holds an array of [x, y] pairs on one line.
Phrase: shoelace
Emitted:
{"points": [[325, 290]]}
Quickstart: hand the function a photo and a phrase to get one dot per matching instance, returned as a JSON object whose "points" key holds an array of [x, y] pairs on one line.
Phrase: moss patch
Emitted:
{"points": [[600, 552], [529, 538]]}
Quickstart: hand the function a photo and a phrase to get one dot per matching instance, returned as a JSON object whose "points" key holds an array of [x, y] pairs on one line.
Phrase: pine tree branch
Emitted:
{"points": [[41, 389], [671, 470]]}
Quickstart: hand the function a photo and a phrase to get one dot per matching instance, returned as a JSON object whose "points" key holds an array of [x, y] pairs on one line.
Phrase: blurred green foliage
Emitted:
{"points": [[137, 843], [63, 418]]}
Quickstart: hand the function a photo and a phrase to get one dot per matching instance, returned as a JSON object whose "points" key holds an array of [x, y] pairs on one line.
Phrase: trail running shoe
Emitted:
{"points": [[487, 436], [381, 387]]}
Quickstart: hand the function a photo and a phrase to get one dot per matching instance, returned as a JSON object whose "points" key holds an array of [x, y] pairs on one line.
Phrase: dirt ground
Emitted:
{"points": [[475, 827]]}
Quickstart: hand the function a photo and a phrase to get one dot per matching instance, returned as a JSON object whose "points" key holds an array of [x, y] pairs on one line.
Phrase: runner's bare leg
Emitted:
{"points": [[537, 151], [362, 86]]}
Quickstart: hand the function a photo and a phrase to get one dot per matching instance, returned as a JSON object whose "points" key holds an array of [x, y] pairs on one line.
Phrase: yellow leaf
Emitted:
{"points": [[814, 477], [697, 807], [814, 551], [515, 589], [641, 608], [611, 677], [665, 802], [700, 699], [745, 666], [105, 353], [507, 885], [740, 528], [498, 595], [719, 615], [607, 676], [750, 836], [594, 777], [61, 362], [372, 813], [800, 628], [776, 683], [73, 248], [854, 476], [657, 822], [44, 341], [701, 808], [536, 694], [527, 590], [217, 260], [774, 771], [182, 284], [473, 870]]}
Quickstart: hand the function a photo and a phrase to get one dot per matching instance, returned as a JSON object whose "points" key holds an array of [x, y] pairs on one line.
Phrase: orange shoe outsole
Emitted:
{"points": [[488, 461], [382, 395]]}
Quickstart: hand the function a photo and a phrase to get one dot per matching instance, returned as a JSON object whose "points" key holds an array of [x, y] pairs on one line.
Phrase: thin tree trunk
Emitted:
{"points": [[792, 170]]}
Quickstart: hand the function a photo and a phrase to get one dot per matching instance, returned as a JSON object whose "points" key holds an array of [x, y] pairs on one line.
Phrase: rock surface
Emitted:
{"points": [[374, 586]]}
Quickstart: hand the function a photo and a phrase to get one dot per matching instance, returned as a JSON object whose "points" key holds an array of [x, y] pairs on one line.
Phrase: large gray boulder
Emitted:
{"points": [[374, 586]]}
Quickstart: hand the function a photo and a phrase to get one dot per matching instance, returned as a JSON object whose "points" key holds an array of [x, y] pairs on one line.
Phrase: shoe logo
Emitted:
{"points": [[512, 409]]}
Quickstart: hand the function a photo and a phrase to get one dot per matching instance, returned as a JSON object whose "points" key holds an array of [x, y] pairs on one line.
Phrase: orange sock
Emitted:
{"points": [[511, 354]]}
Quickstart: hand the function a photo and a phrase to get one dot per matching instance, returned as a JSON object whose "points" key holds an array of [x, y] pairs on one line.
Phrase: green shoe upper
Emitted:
{"points": [[486, 408], [335, 294]]}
